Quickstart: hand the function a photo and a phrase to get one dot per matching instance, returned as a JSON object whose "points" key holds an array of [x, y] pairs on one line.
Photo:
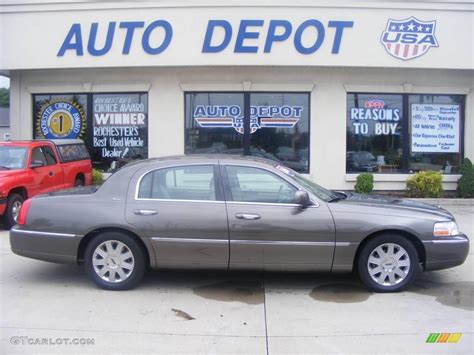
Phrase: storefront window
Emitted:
{"points": [[374, 133], [393, 133], [277, 124], [435, 132], [119, 129], [284, 127], [60, 116], [214, 122], [113, 126]]}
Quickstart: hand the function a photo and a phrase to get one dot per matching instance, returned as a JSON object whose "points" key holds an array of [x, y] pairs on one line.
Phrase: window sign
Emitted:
{"points": [[278, 122], [114, 126], [260, 117], [375, 118], [377, 125], [120, 127], [374, 133], [435, 128], [60, 117]]}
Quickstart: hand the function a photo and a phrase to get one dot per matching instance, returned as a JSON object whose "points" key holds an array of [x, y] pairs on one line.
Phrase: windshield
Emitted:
{"points": [[12, 158], [319, 191]]}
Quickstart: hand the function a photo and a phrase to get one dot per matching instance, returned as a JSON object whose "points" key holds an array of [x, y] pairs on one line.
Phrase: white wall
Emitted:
{"points": [[32, 34], [328, 88]]}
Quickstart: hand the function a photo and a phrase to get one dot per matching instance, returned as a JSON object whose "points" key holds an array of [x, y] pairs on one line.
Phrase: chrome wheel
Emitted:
{"points": [[388, 264], [16, 210], [113, 261]]}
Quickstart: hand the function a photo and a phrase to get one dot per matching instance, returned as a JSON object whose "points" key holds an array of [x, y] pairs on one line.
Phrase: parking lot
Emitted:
{"points": [[220, 312]]}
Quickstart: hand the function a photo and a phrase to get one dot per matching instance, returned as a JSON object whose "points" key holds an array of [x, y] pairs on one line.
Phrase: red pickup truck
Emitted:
{"points": [[29, 168]]}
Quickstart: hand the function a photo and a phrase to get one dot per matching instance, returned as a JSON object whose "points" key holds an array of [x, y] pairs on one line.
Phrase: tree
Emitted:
{"points": [[4, 97]]}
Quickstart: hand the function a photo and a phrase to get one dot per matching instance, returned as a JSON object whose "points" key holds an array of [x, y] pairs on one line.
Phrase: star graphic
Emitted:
{"points": [[401, 27], [419, 28], [411, 26], [393, 27], [428, 29]]}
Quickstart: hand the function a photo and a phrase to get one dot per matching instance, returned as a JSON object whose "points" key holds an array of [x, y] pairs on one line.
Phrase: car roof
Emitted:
{"points": [[202, 158], [28, 143]]}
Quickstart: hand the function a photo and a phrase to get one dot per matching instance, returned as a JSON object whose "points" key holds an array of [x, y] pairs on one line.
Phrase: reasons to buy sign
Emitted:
{"points": [[434, 128]]}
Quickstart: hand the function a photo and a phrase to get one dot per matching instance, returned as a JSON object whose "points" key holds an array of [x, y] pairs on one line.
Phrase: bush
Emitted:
{"points": [[425, 184], [365, 183], [465, 187], [97, 177]]}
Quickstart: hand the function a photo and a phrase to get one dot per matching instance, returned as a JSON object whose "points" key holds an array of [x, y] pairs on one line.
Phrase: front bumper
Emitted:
{"points": [[446, 252], [46, 246]]}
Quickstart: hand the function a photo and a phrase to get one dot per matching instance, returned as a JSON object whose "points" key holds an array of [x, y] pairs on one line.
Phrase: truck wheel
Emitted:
{"points": [[114, 261], [12, 210], [78, 182]]}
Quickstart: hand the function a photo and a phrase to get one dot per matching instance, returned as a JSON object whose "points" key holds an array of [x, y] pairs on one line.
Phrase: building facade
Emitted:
{"points": [[330, 89]]}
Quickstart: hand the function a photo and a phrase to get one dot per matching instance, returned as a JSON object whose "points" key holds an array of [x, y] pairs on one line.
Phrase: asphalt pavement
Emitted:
{"points": [[49, 308]]}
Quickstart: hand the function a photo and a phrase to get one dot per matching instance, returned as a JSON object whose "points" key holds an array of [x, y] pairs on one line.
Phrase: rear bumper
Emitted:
{"points": [[46, 246], [446, 252]]}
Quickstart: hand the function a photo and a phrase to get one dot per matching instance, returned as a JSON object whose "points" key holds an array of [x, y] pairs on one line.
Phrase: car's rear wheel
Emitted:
{"points": [[388, 263], [78, 182], [12, 210], [115, 261]]}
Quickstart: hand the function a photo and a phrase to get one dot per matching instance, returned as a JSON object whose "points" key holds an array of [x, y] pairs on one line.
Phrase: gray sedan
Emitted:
{"points": [[228, 212]]}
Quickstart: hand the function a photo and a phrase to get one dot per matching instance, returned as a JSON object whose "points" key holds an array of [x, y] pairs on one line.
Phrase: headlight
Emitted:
{"points": [[445, 229]]}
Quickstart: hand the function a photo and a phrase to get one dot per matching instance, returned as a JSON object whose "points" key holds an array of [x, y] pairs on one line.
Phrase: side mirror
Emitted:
{"points": [[302, 198], [36, 164]]}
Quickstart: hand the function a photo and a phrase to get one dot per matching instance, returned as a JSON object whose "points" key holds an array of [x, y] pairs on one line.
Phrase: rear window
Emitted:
{"points": [[72, 152]]}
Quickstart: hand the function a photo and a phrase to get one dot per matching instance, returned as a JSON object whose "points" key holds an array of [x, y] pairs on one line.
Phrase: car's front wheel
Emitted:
{"points": [[388, 263], [115, 261]]}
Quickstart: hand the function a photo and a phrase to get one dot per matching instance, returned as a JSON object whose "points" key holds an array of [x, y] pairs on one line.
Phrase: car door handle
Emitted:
{"points": [[248, 216], [50, 173], [145, 212]]}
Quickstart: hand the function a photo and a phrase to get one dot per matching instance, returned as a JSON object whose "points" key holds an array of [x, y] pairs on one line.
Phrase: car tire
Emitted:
{"points": [[12, 210], [78, 182], [115, 261], [388, 263]]}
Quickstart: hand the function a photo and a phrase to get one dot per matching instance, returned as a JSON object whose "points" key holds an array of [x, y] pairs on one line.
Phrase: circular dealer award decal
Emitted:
{"points": [[61, 119]]}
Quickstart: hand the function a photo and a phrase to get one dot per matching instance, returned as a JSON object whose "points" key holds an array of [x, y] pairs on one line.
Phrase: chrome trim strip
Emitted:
{"points": [[237, 241], [280, 242], [191, 240], [176, 200], [66, 235], [267, 204], [447, 241], [344, 244]]}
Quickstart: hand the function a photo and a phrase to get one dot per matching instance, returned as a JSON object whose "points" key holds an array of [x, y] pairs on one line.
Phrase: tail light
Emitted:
{"points": [[23, 212]]}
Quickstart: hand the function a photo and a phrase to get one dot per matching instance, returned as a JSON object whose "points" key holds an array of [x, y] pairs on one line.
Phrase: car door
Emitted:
{"points": [[42, 176], [182, 210], [267, 230], [54, 168]]}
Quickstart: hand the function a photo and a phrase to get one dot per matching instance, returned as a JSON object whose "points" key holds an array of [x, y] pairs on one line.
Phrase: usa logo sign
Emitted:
{"points": [[410, 38]]}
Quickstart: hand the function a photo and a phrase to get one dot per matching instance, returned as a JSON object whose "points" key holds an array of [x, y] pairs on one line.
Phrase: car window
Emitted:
{"points": [[49, 154], [248, 184], [12, 157], [37, 154], [72, 152], [179, 183]]}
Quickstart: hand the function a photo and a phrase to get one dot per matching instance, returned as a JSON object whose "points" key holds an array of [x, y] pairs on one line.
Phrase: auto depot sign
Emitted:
{"points": [[248, 31], [235, 35]]}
